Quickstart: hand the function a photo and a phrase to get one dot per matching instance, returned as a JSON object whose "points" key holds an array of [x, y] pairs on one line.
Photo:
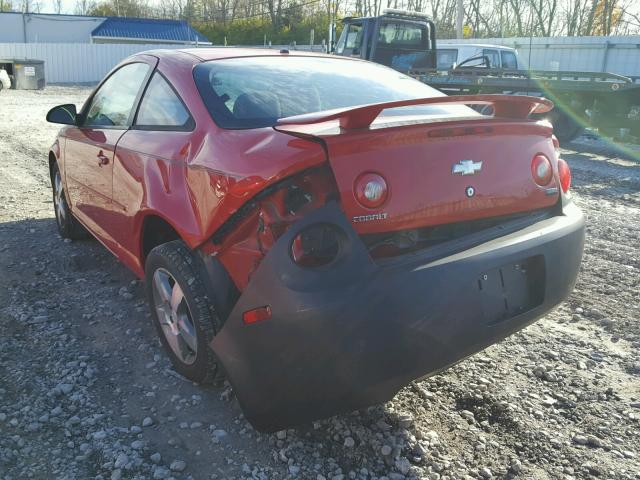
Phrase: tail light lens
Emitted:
{"points": [[541, 170], [316, 245], [370, 190], [256, 315], [565, 175]]}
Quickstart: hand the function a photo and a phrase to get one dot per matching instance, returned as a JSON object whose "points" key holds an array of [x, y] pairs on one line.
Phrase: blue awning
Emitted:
{"points": [[140, 29]]}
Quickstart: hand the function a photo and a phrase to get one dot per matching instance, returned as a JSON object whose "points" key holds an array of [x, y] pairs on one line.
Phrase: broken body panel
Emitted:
{"points": [[385, 309]]}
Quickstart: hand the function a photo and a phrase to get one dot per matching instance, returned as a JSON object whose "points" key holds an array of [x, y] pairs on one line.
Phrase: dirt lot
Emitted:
{"points": [[86, 392]]}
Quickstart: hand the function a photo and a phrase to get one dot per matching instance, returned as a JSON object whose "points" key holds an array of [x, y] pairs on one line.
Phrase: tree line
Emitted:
{"points": [[285, 21]]}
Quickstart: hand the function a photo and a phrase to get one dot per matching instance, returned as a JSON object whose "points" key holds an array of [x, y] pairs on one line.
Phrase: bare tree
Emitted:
{"points": [[83, 6], [275, 12], [332, 8], [30, 6], [485, 18]]}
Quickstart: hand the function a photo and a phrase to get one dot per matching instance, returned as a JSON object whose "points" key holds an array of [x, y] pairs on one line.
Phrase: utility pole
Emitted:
{"points": [[459, 18], [332, 30]]}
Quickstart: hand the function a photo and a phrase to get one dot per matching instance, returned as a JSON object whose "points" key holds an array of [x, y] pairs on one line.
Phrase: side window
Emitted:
{"points": [[509, 60], [161, 106], [350, 39], [494, 58], [446, 58], [353, 41], [112, 104]]}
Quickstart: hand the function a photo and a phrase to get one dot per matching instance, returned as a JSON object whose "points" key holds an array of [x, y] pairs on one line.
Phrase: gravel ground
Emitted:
{"points": [[86, 391]]}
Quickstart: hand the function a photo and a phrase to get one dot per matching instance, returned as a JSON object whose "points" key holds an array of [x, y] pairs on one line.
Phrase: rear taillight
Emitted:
{"points": [[316, 245], [370, 190], [565, 175], [541, 170]]}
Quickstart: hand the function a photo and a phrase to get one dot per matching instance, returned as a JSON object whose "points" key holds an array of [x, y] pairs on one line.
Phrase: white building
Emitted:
{"points": [[53, 28]]}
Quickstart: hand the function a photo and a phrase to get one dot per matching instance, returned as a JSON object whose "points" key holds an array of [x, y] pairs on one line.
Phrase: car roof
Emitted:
{"points": [[473, 45], [205, 54]]}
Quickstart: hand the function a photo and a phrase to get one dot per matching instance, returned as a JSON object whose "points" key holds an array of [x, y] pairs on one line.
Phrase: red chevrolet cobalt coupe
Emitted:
{"points": [[321, 230]]}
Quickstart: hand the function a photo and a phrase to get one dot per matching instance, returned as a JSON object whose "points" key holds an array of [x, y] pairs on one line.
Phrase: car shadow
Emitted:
{"points": [[99, 302]]}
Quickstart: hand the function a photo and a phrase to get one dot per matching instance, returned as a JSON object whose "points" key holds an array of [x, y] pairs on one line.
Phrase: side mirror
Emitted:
{"points": [[65, 114]]}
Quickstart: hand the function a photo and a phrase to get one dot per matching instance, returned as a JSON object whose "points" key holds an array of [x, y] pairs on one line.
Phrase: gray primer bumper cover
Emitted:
{"points": [[352, 334]]}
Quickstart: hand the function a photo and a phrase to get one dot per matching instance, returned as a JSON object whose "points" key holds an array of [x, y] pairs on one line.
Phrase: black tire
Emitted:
{"points": [[565, 128], [183, 267], [68, 226]]}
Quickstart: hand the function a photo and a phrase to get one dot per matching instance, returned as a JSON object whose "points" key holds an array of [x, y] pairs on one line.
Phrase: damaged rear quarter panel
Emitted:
{"points": [[197, 180]]}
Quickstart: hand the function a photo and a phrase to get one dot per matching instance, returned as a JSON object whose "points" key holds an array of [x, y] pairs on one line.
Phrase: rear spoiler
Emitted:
{"points": [[504, 106]]}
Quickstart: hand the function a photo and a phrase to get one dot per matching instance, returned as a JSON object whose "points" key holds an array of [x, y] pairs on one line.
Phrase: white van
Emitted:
{"points": [[452, 54]]}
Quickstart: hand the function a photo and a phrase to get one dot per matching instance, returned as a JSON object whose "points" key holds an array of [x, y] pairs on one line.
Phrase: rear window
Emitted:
{"points": [[403, 35], [255, 92]]}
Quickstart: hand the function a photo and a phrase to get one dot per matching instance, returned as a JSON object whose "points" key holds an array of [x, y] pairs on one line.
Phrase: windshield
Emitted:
{"points": [[255, 92]]}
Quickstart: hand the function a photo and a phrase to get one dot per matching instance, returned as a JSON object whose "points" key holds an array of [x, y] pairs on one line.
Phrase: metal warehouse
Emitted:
{"points": [[53, 28]]}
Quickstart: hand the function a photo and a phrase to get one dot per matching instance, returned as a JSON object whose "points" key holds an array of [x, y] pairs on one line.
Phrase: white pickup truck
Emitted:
{"points": [[450, 55]]}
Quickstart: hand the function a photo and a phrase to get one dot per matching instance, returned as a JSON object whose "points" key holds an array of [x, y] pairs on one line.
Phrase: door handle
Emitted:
{"points": [[102, 159]]}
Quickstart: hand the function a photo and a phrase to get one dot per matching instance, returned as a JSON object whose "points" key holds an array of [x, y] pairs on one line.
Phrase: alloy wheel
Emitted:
{"points": [[59, 199], [175, 316]]}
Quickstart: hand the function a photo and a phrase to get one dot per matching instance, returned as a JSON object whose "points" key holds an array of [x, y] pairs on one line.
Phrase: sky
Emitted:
{"points": [[68, 6]]}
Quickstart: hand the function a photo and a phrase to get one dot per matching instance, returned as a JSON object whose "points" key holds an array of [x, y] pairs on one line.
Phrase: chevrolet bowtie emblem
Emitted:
{"points": [[466, 167]]}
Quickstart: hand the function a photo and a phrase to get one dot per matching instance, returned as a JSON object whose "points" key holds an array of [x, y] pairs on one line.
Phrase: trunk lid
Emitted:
{"points": [[438, 172], [435, 180]]}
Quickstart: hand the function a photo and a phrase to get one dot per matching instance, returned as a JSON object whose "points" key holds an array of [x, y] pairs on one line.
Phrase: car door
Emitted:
{"points": [[149, 162], [90, 146], [493, 56], [509, 60]]}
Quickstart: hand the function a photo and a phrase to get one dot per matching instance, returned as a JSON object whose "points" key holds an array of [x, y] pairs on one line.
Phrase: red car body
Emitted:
{"points": [[319, 349]]}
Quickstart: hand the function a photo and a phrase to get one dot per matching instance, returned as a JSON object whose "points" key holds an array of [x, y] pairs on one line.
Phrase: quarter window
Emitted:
{"points": [[161, 106], [112, 104]]}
